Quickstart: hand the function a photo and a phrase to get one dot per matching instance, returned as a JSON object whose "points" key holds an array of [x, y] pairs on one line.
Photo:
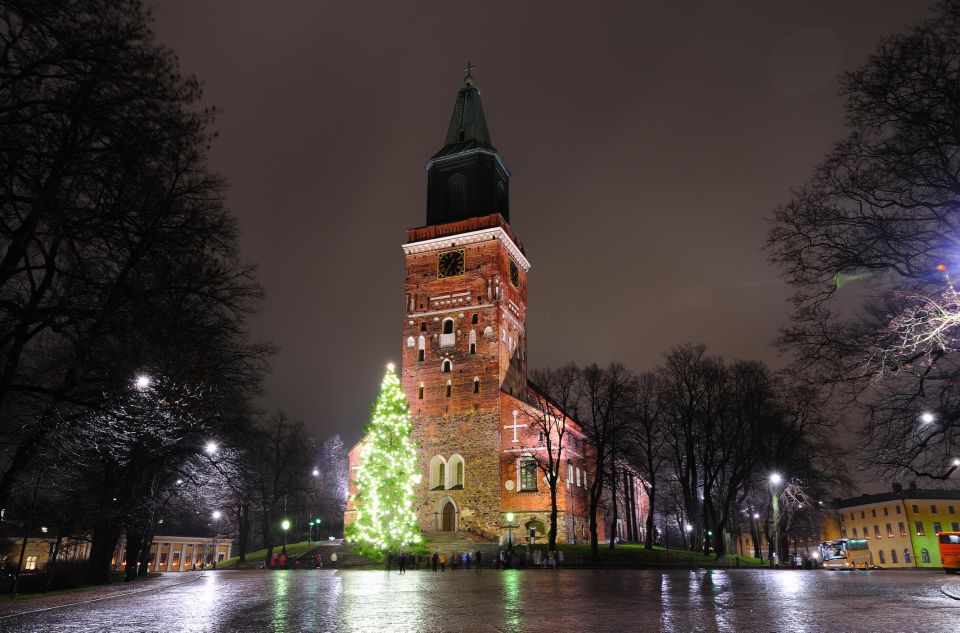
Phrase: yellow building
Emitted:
{"points": [[39, 549], [179, 553], [900, 526]]}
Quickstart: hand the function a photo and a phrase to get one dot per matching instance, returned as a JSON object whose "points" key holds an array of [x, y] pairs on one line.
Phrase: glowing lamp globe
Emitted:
{"points": [[509, 517], [926, 417], [775, 478], [285, 525], [142, 382], [211, 448], [216, 515], [391, 366]]}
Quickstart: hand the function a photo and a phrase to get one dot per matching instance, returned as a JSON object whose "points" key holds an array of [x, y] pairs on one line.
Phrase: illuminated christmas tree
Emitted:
{"points": [[387, 475]]}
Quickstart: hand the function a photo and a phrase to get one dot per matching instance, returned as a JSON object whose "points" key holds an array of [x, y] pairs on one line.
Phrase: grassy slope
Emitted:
{"points": [[254, 558]]}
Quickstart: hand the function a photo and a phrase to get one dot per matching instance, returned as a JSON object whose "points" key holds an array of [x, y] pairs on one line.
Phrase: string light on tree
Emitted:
{"points": [[387, 476]]}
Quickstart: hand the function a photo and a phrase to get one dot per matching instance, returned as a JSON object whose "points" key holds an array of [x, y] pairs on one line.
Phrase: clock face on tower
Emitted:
{"points": [[450, 264], [514, 274]]}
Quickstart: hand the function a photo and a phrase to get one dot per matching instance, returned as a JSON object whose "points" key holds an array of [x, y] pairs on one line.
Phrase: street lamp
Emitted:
{"points": [[211, 448], [775, 480], [286, 526], [216, 533], [142, 382], [926, 417], [316, 472], [510, 530]]}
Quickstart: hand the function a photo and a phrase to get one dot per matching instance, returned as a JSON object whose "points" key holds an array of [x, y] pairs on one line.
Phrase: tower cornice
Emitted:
{"points": [[426, 244]]}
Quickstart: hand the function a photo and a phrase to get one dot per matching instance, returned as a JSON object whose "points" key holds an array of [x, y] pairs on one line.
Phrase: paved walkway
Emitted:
{"points": [[568, 601]]}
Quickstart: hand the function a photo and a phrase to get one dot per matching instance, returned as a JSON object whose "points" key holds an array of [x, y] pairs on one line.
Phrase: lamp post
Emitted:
{"points": [[775, 480], [216, 534], [286, 526], [510, 527]]}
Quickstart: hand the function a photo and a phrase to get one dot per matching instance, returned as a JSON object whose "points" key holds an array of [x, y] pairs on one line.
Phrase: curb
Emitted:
{"points": [[951, 591], [118, 594]]}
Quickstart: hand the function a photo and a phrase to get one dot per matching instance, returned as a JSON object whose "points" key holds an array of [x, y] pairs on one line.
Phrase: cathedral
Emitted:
{"points": [[464, 360]]}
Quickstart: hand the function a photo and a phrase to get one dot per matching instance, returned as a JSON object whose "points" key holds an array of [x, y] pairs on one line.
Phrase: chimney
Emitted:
{"points": [[898, 488]]}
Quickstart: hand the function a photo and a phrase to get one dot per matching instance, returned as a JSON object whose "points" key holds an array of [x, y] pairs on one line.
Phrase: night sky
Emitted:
{"points": [[648, 145]]}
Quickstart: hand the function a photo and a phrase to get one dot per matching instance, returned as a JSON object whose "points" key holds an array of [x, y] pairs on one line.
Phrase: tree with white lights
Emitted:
{"points": [[387, 476]]}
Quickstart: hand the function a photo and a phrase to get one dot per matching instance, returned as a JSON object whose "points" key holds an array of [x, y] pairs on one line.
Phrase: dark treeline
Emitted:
{"points": [[124, 348], [704, 435]]}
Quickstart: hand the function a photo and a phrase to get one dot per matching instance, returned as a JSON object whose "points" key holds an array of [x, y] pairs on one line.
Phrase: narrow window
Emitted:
{"points": [[898, 508], [854, 532], [886, 511], [906, 556], [937, 528], [421, 348], [528, 475], [423, 326], [925, 555], [883, 560], [476, 385], [460, 474], [903, 528], [916, 508], [889, 531], [473, 348], [893, 556], [446, 366], [475, 318], [876, 531], [933, 509], [449, 388], [448, 326], [955, 527], [420, 392], [569, 474], [441, 475], [863, 514], [473, 341], [874, 513], [919, 525]]}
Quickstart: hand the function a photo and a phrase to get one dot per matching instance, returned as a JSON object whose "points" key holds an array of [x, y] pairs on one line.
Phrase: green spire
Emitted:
{"points": [[468, 126]]}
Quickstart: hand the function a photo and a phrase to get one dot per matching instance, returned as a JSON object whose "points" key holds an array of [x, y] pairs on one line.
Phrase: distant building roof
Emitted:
{"points": [[898, 494]]}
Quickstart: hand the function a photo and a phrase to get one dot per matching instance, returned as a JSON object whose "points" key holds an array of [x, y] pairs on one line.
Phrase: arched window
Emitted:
{"points": [[925, 555], [449, 388], [488, 332], [578, 476], [475, 318], [893, 556], [456, 470], [420, 392], [438, 473], [410, 342], [421, 348], [473, 341], [446, 366], [906, 556], [457, 192], [569, 474], [535, 529], [447, 336], [883, 559], [476, 384]]}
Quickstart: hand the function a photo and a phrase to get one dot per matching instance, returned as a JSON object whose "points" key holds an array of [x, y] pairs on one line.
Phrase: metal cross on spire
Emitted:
{"points": [[469, 70]]}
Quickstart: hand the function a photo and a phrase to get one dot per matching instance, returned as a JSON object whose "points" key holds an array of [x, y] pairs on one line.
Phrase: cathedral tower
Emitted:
{"points": [[464, 325]]}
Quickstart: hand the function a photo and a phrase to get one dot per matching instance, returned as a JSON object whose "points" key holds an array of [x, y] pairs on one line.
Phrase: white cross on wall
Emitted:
{"points": [[515, 426]]}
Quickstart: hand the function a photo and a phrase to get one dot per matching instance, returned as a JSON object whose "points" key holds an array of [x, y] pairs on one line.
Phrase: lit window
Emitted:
{"points": [[903, 528], [889, 531], [876, 531], [421, 349], [446, 366], [937, 528], [569, 474], [528, 475], [473, 341], [919, 528], [578, 475], [31, 563]]}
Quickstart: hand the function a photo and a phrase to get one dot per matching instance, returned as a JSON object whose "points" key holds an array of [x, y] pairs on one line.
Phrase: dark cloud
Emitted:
{"points": [[648, 142]]}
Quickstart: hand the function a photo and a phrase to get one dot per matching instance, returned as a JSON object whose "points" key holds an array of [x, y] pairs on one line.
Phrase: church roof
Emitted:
{"points": [[468, 126]]}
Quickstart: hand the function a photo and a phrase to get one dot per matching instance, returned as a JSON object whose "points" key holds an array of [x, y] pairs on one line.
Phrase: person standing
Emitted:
{"points": [[388, 561], [477, 560], [333, 560], [402, 561], [559, 558], [443, 562], [435, 561]]}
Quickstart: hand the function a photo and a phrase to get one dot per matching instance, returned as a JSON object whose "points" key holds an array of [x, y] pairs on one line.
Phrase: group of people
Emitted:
{"points": [[282, 561], [505, 559], [437, 562]]}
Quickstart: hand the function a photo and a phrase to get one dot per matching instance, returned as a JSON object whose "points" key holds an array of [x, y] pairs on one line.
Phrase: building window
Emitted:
{"points": [[863, 514], [937, 528], [423, 326], [843, 532], [447, 336], [883, 560], [449, 389], [569, 474], [955, 527], [874, 511], [893, 556], [421, 354], [919, 528], [889, 531], [456, 472], [31, 563], [438, 473], [476, 384], [925, 555], [448, 326], [473, 341], [578, 476], [898, 508], [528, 475], [916, 508], [420, 392], [903, 528], [854, 532], [933, 509], [886, 511], [446, 366], [876, 531], [950, 510], [906, 556], [460, 474], [475, 318], [410, 341]]}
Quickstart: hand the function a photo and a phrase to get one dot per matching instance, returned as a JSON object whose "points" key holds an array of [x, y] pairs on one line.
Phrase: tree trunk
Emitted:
{"points": [[552, 534], [145, 547], [134, 542], [648, 541], [243, 531], [54, 555], [612, 537], [267, 535], [104, 542]]}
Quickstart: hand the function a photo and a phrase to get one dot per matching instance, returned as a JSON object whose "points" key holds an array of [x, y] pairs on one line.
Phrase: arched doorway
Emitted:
{"points": [[448, 517]]}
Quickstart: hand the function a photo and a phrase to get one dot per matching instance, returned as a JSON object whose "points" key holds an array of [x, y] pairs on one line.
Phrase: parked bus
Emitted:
{"points": [[846, 554], [950, 551]]}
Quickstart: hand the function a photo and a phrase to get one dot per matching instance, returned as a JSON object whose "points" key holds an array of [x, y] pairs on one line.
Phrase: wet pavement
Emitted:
{"points": [[567, 601]]}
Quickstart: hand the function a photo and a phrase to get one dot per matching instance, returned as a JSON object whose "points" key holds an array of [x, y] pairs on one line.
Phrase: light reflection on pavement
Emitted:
{"points": [[567, 601]]}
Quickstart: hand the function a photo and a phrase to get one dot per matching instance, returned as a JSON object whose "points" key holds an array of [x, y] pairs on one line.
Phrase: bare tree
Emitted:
{"points": [[869, 246], [646, 439], [553, 401]]}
